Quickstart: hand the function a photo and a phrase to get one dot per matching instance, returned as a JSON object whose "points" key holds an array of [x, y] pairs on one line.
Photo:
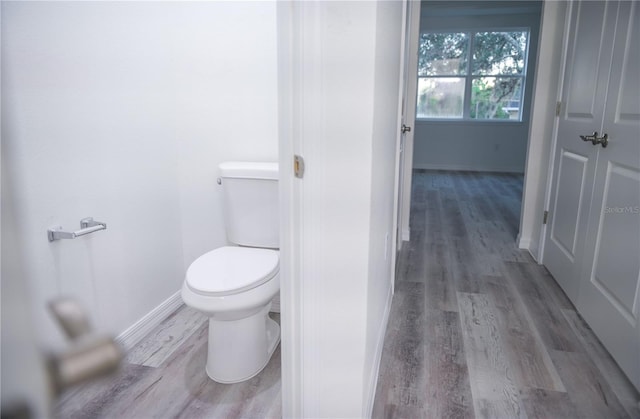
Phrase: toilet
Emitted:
{"points": [[234, 285]]}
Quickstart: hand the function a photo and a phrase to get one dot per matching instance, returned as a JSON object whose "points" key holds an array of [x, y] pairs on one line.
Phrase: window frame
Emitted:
{"points": [[469, 77]]}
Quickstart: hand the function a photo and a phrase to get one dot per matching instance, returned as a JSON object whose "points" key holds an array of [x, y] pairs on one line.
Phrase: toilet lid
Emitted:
{"points": [[230, 270]]}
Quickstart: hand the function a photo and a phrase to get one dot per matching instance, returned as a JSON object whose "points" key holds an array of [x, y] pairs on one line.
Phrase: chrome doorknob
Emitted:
{"points": [[405, 129], [88, 356], [595, 140]]}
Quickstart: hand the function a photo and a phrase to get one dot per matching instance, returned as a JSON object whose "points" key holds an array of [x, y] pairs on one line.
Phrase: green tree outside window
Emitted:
{"points": [[489, 65]]}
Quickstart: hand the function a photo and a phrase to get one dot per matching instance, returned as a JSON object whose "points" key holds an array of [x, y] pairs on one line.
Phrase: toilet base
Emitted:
{"points": [[239, 349]]}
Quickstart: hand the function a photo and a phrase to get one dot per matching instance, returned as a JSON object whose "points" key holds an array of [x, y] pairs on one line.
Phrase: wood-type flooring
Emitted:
{"points": [[477, 328], [164, 377]]}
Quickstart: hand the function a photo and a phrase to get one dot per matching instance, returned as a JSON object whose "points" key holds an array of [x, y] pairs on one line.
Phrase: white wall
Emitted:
{"points": [[226, 67], [387, 70], [340, 76], [122, 111], [338, 218], [483, 145]]}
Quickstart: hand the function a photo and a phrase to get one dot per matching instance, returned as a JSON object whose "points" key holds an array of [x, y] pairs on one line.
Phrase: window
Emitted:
{"points": [[472, 75]]}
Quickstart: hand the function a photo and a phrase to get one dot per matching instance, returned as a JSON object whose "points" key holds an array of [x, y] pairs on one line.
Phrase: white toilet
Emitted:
{"points": [[234, 285]]}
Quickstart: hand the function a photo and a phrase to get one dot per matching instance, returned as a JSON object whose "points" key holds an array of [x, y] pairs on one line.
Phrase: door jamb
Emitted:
{"points": [[554, 133], [410, 95]]}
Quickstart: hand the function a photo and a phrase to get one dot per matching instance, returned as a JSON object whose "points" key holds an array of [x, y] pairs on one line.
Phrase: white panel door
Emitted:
{"points": [[584, 90], [609, 293]]}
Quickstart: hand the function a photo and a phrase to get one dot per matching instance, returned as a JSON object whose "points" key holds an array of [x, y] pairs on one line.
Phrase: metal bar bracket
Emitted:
{"points": [[87, 225]]}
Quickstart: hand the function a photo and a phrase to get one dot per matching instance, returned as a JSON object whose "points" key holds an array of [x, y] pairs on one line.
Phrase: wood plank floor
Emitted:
{"points": [[164, 377], [477, 328]]}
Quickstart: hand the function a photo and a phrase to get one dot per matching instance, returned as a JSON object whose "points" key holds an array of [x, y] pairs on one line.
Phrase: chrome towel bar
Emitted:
{"points": [[87, 226]]}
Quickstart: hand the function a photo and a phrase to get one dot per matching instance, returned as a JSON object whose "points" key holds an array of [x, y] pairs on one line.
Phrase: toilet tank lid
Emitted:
{"points": [[249, 170]]}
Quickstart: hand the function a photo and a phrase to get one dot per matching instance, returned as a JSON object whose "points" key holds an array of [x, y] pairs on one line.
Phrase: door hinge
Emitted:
{"points": [[298, 166], [545, 217], [558, 108]]}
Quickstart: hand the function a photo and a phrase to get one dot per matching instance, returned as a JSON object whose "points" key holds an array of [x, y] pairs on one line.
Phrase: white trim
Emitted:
{"points": [[290, 17], [564, 38], [135, 333], [377, 357], [473, 168], [413, 7], [530, 245], [406, 235], [523, 242], [399, 161], [541, 143]]}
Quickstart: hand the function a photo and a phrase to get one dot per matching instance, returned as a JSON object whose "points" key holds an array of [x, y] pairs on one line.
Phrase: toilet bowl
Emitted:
{"points": [[234, 287]]}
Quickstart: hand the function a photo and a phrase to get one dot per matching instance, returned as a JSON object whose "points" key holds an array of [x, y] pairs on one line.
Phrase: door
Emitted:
{"points": [[407, 119], [594, 234], [609, 295], [584, 87], [25, 386]]}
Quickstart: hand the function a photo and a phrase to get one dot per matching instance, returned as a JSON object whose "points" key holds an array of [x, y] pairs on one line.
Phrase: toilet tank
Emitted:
{"points": [[250, 201]]}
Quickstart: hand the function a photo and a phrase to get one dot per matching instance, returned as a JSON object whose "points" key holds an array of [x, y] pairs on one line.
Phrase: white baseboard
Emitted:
{"points": [[471, 168], [134, 334], [523, 242], [527, 243], [406, 234], [377, 357]]}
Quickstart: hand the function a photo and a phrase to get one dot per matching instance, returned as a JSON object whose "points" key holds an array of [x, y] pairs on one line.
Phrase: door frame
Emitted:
{"points": [[542, 128], [300, 133], [564, 39], [408, 99], [547, 90], [292, 339]]}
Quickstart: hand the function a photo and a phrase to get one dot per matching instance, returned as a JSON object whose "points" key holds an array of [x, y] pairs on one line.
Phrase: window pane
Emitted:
{"points": [[443, 54], [440, 97], [496, 98], [499, 53]]}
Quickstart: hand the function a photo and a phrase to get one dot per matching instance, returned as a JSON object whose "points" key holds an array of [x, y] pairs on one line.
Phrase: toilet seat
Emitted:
{"points": [[231, 270]]}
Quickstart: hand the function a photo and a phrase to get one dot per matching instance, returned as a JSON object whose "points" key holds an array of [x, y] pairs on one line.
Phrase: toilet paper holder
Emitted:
{"points": [[87, 226]]}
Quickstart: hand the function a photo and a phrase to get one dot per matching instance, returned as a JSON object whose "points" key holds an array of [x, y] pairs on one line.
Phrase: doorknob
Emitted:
{"points": [[88, 357], [405, 129], [595, 140]]}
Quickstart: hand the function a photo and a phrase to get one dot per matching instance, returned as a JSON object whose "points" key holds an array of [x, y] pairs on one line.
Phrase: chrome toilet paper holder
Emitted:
{"points": [[87, 226]]}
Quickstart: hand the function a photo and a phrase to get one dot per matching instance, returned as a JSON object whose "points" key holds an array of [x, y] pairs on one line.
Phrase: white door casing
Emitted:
{"points": [[593, 241]]}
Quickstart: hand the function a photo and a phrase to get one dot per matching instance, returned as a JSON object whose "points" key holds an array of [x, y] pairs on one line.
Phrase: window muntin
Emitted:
{"points": [[472, 75]]}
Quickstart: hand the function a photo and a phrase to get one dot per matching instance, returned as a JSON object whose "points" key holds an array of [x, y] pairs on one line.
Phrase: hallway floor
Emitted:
{"points": [[477, 328]]}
